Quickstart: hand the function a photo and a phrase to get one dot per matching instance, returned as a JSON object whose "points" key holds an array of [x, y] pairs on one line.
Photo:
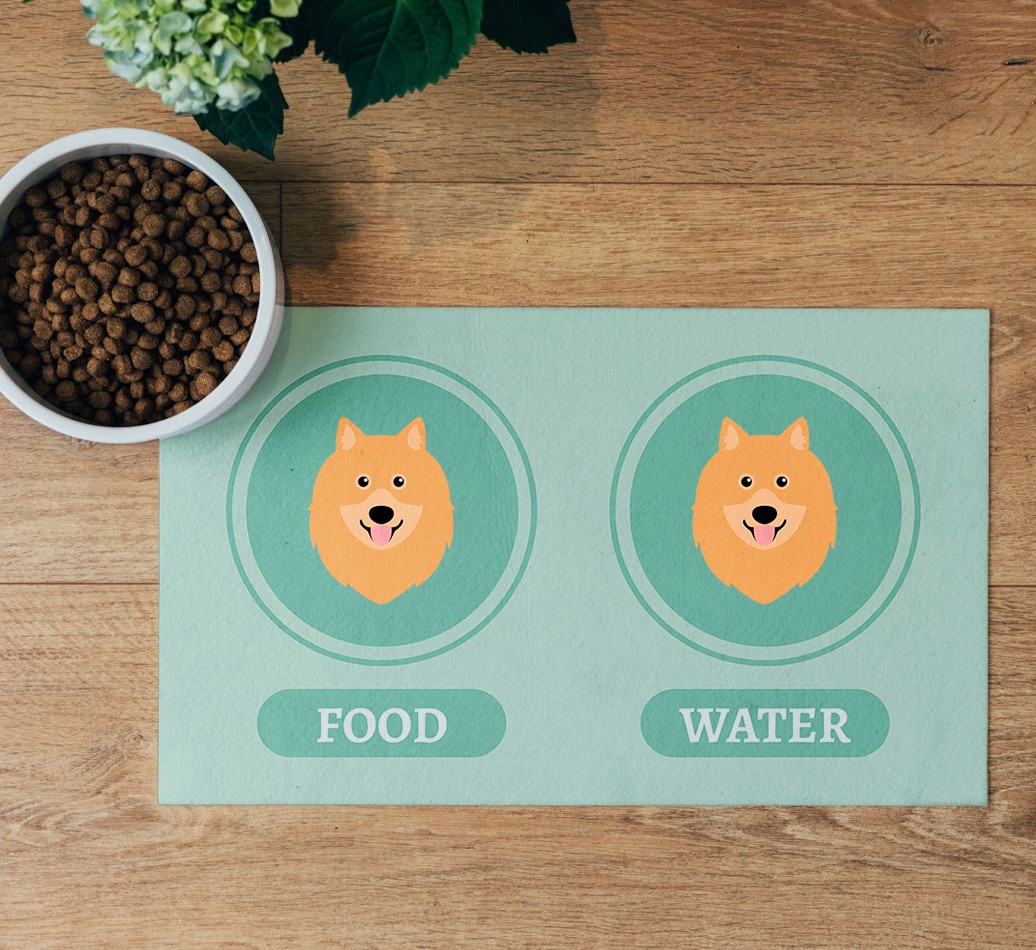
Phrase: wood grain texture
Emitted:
{"points": [[91, 854], [824, 153], [823, 90]]}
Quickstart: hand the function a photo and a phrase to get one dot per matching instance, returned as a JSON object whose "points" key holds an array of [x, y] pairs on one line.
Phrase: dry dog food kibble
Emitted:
{"points": [[128, 288]]}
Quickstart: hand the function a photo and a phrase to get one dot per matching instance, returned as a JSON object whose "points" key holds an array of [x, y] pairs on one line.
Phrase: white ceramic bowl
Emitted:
{"points": [[43, 164]]}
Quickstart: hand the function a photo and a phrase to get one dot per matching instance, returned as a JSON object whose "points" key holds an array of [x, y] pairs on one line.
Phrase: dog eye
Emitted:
{"points": [[746, 481], [399, 481], [782, 481], [363, 481]]}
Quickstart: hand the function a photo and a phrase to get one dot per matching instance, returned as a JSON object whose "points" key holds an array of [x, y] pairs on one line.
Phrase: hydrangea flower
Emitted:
{"points": [[194, 53]]}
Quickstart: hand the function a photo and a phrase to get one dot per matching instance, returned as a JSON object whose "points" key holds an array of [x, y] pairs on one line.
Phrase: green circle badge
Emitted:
{"points": [[765, 510], [381, 510]]}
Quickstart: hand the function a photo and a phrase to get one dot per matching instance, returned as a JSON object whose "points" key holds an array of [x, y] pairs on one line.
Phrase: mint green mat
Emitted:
{"points": [[510, 599]]}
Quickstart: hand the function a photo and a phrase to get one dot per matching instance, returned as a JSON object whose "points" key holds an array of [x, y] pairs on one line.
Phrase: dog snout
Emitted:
{"points": [[762, 514], [382, 514]]}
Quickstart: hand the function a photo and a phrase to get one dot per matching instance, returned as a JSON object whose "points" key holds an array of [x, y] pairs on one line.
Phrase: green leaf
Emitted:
{"points": [[527, 26], [387, 48], [253, 128], [300, 29]]}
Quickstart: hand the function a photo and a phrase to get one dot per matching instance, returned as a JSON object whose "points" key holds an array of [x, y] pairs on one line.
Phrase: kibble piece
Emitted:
{"points": [[209, 337], [72, 172], [185, 306], [36, 197], [141, 358], [202, 385], [147, 291], [104, 203], [197, 361], [30, 364], [179, 266], [129, 277], [135, 255], [223, 351], [197, 204], [228, 326], [172, 190], [142, 312], [122, 294], [104, 272], [87, 289], [153, 225]]}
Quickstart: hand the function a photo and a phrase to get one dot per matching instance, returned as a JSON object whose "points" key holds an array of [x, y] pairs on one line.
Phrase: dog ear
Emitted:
{"points": [[731, 434], [348, 433], [414, 434], [798, 434]]}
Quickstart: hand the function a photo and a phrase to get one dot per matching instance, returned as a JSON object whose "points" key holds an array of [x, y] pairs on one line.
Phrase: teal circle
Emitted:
{"points": [[867, 489], [299, 593]]}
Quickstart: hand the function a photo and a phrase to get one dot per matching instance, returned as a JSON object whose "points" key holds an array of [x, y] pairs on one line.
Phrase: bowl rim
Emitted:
{"points": [[103, 142]]}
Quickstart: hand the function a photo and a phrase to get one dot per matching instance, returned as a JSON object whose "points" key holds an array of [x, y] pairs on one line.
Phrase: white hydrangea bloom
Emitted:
{"points": [[194, 53]]}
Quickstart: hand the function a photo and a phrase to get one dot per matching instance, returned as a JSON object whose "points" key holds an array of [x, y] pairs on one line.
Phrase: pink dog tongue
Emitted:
{"points": [[763, 533], [382, 533]]}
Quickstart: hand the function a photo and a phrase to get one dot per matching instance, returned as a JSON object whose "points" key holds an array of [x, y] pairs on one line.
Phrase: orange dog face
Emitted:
{"points": [[764, 511], [381, 517]]}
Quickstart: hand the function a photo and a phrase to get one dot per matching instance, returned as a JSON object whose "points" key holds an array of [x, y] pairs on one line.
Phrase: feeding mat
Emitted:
{"points": [[584, 557]]}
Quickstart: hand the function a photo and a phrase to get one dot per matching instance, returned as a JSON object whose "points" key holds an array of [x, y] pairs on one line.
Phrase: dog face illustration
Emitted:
{"points": [[764, 511], [381, 517]]}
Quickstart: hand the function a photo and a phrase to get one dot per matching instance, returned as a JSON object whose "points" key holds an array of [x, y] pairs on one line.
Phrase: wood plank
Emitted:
{"points": [[84, 838], [700, 246], [817, 91], [581, 245]]}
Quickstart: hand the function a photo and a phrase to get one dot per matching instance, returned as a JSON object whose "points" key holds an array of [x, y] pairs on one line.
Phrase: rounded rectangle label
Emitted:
{"points": [[764, 723], [381, 723]]}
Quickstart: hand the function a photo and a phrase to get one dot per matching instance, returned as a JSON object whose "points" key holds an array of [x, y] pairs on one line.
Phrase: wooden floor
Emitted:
{"points": [[693, 153]]}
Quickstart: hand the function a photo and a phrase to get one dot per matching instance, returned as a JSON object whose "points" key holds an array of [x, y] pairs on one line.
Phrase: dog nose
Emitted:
{"points": [[764, 514], [382, 514]]}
